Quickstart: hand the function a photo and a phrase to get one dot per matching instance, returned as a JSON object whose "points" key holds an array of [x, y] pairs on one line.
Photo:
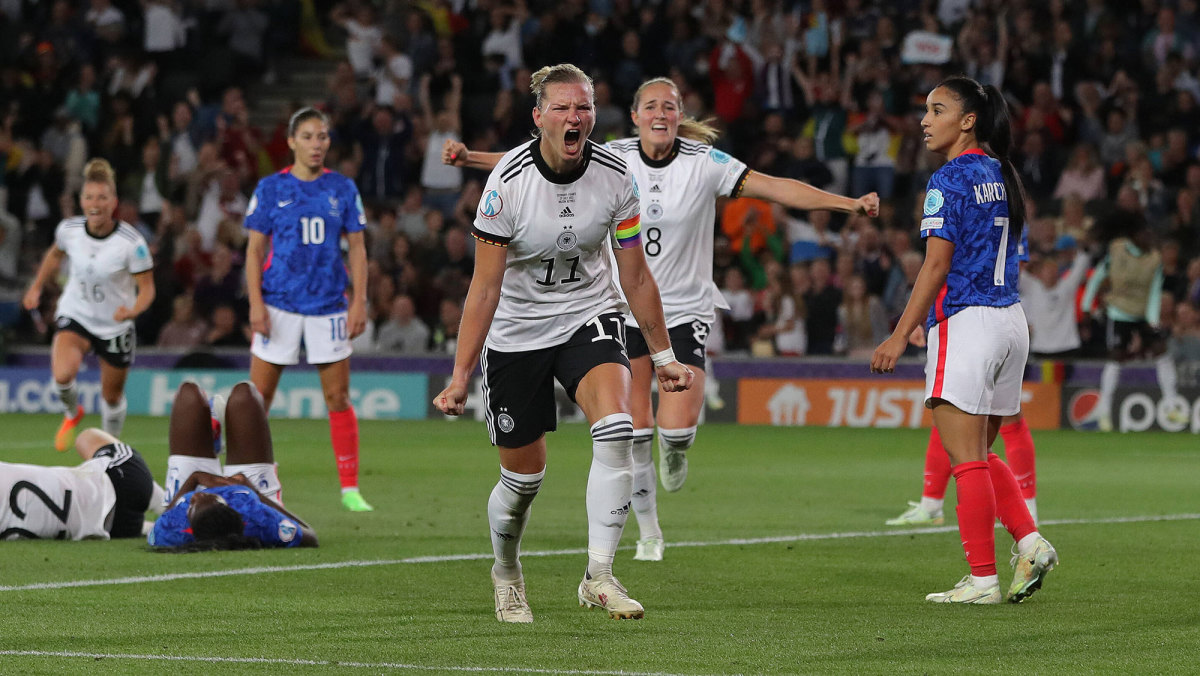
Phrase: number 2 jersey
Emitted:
{"points": [[966, 204], [558, 229], [100, 277], [269, 525], [304, 220], [64, 503]]}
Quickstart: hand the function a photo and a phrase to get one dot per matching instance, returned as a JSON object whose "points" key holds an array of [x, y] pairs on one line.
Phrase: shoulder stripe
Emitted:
{"points": [[692, 151], [598, 152], [489, 238], [623, 146], [620, 169], [523, 155], [691, 144], [516, 171]]}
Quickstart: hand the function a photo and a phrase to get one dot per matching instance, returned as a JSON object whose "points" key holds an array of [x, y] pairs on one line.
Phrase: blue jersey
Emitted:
{"points": [[966, 204], [266, 523], [303, 270]]}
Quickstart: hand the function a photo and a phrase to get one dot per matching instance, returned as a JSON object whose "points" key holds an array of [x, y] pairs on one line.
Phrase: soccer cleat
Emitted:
{"points": [[649, 549], [1031, 569], [216, 404], [603, 591], [966, 592], [511, 605], [1176, 415], [916, 515], [672, 468], [66, 432], [1104, 423], [353, 501]]}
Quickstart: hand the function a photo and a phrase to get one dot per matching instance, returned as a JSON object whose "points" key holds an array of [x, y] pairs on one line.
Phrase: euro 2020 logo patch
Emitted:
{"points": [[506, 422], [719, 156], [492, 205], [934, 202]]}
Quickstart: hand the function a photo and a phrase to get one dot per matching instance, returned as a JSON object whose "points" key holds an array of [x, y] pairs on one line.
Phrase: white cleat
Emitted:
{"points": [[649, 549], [672, 468], [916, 515], [1030, 570], [511, 605], [966, 592], [603, 591]]}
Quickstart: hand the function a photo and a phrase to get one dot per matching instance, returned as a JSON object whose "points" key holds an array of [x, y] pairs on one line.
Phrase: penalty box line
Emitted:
{"points": [[803, 537]]}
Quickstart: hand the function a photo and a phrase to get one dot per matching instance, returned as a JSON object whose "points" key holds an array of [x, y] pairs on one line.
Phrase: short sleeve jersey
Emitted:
{"points": [[678, 204], [303, 271], [558, 230], [60, 503], [966, 204], [269, 525], [100, 274]]}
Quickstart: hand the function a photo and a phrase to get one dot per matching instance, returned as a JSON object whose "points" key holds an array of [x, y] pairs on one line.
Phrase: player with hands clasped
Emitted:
{"points": [[110, 281], [978, 338], [543, 305]]}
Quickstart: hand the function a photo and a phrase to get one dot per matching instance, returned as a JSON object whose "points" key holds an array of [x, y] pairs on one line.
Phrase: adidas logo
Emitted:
{"points": [[655, 188], [504, 536], [622, 510], [566, 213]]}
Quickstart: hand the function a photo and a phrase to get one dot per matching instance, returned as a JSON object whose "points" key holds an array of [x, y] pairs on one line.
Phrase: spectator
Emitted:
{"points": [[226, 331], [403, 331], [185, 330], [822, 302], [1083, 176], [862, 320], [445, 334]]}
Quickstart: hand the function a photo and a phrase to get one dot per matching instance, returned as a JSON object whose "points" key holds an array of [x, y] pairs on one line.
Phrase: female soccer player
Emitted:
{"points": [[109, 282], [543, 296], [234, 508], [978, 337], [296, 282], [680, 176]]}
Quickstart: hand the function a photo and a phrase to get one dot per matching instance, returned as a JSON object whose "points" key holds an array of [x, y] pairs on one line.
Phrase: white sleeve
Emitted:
{"points": [[139, 257], [494, 222], [724, 174]]}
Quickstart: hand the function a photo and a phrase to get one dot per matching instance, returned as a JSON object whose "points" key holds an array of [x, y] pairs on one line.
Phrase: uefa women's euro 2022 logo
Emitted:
{"points": [[934, 202], [492, 205]]}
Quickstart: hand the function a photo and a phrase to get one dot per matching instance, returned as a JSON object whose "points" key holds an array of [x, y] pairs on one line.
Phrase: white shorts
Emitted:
{"points": [[976, 360], [326, 338]]}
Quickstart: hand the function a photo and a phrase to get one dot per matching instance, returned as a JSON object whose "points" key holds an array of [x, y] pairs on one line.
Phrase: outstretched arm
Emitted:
{"points": [[456, 154], [798, 195]]}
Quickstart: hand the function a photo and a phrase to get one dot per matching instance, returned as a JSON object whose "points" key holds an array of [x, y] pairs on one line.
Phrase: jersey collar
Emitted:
{"points": [[659, 164], [972, 151], [116, 227], [553, 176]]}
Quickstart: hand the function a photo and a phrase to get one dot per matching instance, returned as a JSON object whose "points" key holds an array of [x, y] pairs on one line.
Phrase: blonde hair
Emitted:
{"points": [[563, 73], [689, 127], [98, 170]]}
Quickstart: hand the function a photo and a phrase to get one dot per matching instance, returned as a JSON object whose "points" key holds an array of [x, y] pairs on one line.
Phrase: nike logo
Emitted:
{"points": [[284, 203]]}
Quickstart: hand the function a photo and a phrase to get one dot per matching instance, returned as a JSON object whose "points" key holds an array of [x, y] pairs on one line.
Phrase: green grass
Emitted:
{"points": [[1122, 600]]}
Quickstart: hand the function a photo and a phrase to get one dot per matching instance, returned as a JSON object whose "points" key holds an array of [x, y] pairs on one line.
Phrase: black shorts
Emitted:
{"points": [[1119, 336], [117, 351], [519, 386], [134, 484], [686, 339]]}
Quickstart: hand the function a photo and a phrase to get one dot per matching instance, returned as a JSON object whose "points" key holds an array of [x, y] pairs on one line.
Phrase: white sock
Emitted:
{"points": [[1108, 385], [264, 476], [68, 394], [609, 489], [157, 504], [180, 467], [508, 512], [1026, 544], [932, 505], [112, 418], [985, 581], [645, 483], [679, 440], [1031, 503], [1164, 366]]}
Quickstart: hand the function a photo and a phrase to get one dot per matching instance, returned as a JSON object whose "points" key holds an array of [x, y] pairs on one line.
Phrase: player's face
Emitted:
{"points": [[99, 203], [566, 123], [944, 122], [657, 114], [310, 143]]}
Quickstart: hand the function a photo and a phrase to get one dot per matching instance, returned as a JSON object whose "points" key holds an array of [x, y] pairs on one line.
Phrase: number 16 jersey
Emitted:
{"points": [[101, 274]]}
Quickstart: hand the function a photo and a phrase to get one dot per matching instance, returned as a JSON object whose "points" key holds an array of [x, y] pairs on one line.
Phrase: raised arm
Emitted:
{"points": [[797, 195], [456, 154]]}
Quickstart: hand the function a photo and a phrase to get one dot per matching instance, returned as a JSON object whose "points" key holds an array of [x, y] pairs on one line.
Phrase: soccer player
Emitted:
{"points": [[210, 508], [554, 215], [681, 176], [109, 282], [296, 283], [978, 336], [104, 497]]}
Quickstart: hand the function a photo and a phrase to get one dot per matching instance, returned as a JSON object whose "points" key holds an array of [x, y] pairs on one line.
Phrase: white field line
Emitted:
{"points": [[803, 537], [320, 663]]}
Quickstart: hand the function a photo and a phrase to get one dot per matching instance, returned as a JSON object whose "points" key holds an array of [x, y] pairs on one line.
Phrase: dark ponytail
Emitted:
{"points": [[994, 133]]}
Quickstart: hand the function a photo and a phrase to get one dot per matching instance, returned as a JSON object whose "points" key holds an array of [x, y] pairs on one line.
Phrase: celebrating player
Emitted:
{"points": [[978, 336], [109, 282], [104, 497], [296, 283], [543, 297], [680, 181]]}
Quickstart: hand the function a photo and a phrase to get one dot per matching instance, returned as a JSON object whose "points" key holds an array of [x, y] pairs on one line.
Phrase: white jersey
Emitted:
{"points": [[61, 503], [559, 230], [679, 195], [100, 277]]}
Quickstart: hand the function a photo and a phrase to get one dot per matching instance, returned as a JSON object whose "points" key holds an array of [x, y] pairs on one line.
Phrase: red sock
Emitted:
{"points": [[1010, 506], [1018, 449], [343, 431], [976, 515], [937, 467]]}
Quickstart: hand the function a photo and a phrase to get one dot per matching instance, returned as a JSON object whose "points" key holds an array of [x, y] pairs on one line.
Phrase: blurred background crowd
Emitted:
{"points": [[1104, 95]]}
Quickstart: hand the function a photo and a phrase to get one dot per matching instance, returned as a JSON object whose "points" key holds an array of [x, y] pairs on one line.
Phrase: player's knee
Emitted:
{"points": [[245, 393], [337, 401], [679, 439]]}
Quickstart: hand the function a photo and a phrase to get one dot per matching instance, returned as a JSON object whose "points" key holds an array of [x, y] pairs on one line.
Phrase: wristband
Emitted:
{"points": [[663, 358]]}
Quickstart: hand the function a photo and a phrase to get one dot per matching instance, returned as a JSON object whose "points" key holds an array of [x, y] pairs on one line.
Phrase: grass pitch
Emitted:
{"points": [[777, 562]]}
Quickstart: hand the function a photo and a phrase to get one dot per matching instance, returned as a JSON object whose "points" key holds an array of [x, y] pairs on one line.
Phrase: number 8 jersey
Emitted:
{"points": [[100, 277], [558, 229], [303, 271]]}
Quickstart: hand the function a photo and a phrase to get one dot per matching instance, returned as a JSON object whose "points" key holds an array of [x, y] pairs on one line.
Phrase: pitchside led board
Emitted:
{"points": [[881, 402]]}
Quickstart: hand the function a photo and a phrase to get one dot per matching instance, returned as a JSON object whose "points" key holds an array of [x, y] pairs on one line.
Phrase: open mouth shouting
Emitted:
{"points": [[572, 141]]}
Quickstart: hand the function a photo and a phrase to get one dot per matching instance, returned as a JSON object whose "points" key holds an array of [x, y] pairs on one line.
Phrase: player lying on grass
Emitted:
{"points": [[210, 508]]}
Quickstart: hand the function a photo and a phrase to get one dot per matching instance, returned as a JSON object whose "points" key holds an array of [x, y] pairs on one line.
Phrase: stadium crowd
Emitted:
{"points": [[1104, 94]]}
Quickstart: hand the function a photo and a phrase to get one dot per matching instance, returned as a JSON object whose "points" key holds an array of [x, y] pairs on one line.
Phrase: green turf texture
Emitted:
{"points": [[1123, 599]]}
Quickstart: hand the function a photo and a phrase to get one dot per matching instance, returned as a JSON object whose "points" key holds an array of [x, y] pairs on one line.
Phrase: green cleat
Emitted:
{"points": [[916, 515], [1031, 569], [353, 501], [966, 592]]}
